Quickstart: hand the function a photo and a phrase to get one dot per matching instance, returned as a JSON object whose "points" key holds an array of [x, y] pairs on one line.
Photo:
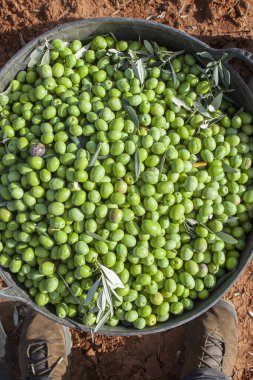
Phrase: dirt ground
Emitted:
{"points": [[220, 23]]}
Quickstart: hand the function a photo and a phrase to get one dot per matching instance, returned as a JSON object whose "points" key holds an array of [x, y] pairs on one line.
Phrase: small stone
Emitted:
{"points": [[38, 150]]}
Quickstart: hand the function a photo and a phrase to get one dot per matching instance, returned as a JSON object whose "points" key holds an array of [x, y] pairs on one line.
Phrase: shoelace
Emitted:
{"points": [[38, 366], [213, 341]]}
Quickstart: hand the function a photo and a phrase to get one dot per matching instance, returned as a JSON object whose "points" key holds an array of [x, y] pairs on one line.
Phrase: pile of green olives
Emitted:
{"points": [[86, 180]]}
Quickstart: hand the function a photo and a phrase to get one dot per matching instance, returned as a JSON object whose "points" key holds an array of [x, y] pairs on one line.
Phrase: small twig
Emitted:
{"points": [[121, 7], [64, 13], [238, 31], [161, 15], [22, 39], [191, 27], [181, 9]]}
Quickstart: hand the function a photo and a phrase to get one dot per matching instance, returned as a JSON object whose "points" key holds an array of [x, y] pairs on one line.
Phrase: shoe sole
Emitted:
{"points": [[68, 340], [229, 306], [65, 330]]}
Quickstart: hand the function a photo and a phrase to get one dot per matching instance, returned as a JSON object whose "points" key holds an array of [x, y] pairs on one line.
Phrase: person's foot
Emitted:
{"points": [[5, 355], [44, 348], [211, 340]]}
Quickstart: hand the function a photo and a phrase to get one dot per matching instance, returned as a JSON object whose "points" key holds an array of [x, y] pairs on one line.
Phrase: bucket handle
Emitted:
{"points": [[243, 55], [11, 294]]}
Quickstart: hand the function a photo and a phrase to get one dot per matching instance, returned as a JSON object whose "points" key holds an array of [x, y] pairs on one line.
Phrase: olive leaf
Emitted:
{"points": [[132, 54], [3, 116], [102, 321], [226, 75], [193, 222], [216, 102], [49, 155], [100, 303], [204, 125], [47, 44], [181, 103], [226, 237], [44, 233], [114, 293], [221, 235], [113, 36], [76, 140], [95, 309], [149, 47], [92, 291], [166, 71], [166, 55], [100, 311], [216, 76], [81, 52], [113, 51], [164, 59], [189, 226], [70, 290], [122, 64], [5, 139], [174, 75], [228, 169], [7, 91], [96, 237], [131, 113], [111, 276], [45, 60], [231, 219], [215, 70], [95, 156], [36, 55], [162, 162], [110, 281], [205, 54], [209, 122], [139, 70], [41, 231], [107, 294], [155, 47], [137, 164], [201, 109]]}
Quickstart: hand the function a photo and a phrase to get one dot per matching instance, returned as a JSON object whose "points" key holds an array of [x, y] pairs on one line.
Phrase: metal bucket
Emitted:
{"points": [[124, 28]]}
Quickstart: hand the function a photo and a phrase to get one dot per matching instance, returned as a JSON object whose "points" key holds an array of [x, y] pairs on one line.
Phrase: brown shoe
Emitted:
{"points": [[44, 348], [211, 340]]}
